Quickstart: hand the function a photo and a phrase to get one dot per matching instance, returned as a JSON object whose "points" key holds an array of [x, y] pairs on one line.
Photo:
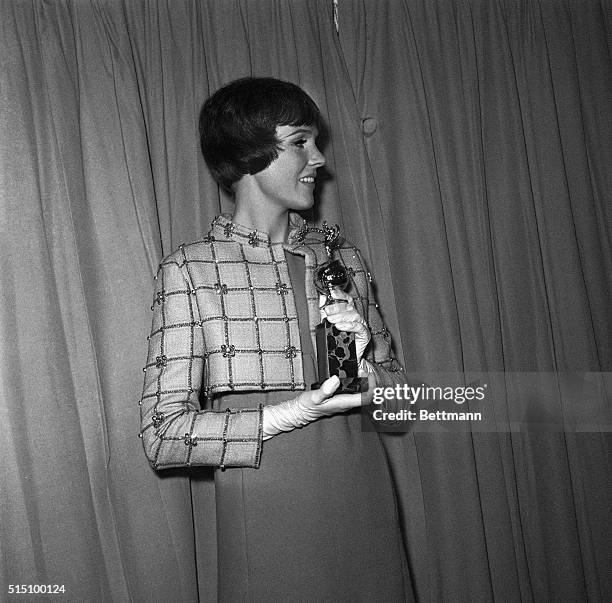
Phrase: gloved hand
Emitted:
{"points": [[346, 318], [312, 405]]}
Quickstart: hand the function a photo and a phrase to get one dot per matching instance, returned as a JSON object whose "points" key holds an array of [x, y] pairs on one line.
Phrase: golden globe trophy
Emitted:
{"points": [[336, 353]]}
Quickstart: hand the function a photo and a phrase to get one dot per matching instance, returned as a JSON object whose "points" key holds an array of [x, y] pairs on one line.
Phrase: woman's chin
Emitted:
{"points": [[305, 204]]}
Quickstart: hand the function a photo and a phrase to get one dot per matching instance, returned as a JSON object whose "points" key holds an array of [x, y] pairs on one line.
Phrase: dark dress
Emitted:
{"points": [[317, 521]]}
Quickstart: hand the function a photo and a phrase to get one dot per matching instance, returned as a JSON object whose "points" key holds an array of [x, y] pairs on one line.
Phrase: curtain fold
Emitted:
{"points": [[468, 156], [481, 121]]}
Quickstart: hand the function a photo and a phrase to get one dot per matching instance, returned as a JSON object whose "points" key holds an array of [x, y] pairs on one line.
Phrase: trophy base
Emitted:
{"points": [[348, 385], [336, 355]]}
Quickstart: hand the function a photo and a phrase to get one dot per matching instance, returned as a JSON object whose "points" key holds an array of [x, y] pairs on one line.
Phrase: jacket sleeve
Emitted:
{"points": [[379, 357], [175, 432]]}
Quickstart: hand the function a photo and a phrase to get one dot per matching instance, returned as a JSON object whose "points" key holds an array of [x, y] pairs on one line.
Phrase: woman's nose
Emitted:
{"points": [[316, 157]]}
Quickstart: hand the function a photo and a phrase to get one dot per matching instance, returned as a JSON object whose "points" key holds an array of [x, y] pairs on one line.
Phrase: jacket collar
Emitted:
{"points": [[223, 229]]}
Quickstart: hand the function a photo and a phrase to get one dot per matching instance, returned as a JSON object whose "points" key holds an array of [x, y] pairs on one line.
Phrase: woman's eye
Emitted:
{"points": [[299, 143]]}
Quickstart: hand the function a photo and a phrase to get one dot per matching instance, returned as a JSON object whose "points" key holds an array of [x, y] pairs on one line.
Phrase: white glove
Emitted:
{"points": [[345, 317], [310, 406]]}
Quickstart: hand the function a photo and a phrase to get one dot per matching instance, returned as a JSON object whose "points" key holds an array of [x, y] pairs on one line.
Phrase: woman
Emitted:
{"points": [[301, 514]]}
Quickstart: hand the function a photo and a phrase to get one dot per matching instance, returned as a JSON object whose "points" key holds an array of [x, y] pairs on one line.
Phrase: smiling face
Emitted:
{"points": [[288, 182]]}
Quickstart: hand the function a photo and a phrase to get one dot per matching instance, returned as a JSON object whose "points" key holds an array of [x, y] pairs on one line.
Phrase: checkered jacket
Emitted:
{"points": [[225, 320]]}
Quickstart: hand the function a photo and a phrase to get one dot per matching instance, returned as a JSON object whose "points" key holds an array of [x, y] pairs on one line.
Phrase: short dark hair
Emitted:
{"points": [[238, 125]]}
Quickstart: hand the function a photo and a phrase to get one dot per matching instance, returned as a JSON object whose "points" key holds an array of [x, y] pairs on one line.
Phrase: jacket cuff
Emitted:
{"points": [[222, 439], [234, 439]]}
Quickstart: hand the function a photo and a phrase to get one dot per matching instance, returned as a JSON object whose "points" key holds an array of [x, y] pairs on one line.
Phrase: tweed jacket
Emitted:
{"points": [[225, 320]]}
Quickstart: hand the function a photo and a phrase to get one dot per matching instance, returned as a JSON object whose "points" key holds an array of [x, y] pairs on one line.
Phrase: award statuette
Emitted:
{"points": [[336, 353]]}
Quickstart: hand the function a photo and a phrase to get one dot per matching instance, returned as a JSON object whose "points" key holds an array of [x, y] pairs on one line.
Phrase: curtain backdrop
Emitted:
{"points": [[469, 154]]}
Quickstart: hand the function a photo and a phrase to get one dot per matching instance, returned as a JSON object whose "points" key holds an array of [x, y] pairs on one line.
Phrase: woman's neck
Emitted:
{"points": [[275, 223]]}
